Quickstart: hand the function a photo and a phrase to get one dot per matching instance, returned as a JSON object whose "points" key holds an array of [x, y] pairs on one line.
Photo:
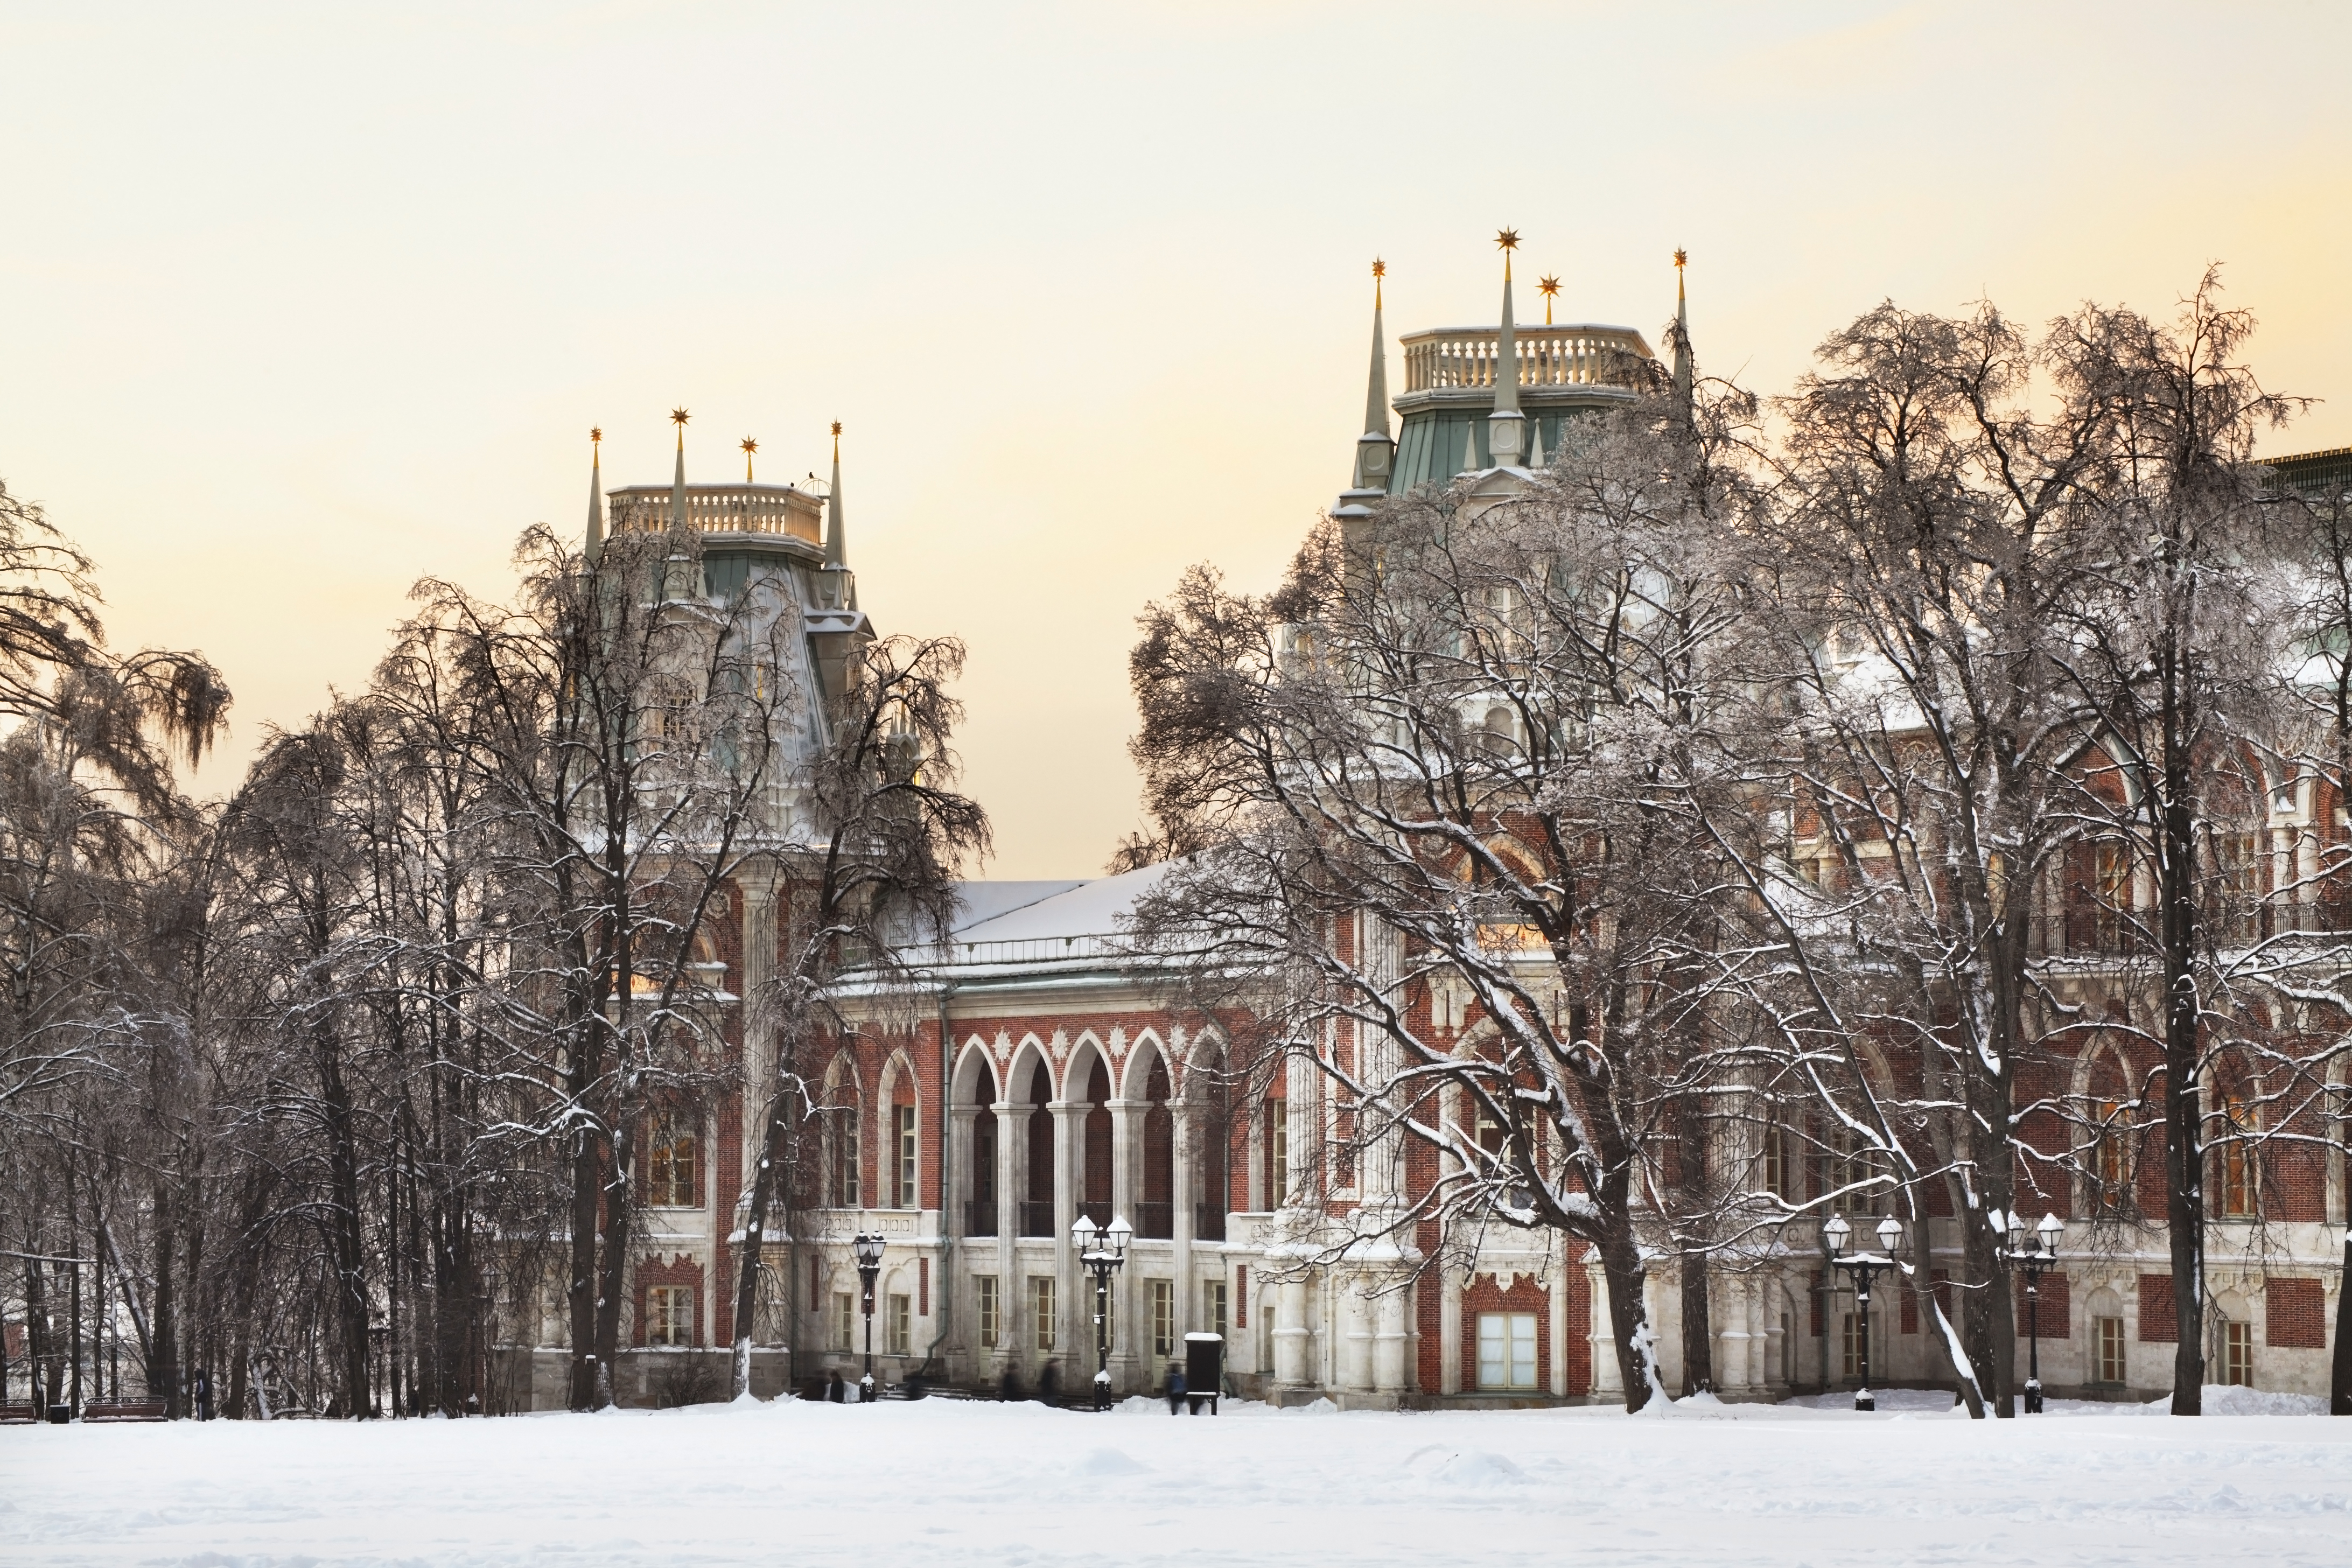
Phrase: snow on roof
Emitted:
{"points": [[978, 902], [1079, 909]]}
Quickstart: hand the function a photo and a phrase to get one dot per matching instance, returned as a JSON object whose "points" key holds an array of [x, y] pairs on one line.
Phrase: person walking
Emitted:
{"points": [[1175, 1387]]}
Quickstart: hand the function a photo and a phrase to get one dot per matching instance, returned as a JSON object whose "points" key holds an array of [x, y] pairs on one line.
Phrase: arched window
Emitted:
{"points": [[671, 1161], [980, 1211], [1211, 1097], [1096, 1206], [842, 1188], [1156, 1214], [1037, 1208], [2108, 1114], [2230, 1130], [906, 1142], [1275, 1148]]}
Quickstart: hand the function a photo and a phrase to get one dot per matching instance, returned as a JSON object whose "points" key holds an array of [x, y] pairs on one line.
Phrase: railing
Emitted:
{"points": [[1036, 1217], [1548, 356], [1156, 1222], [1099, 1213], [1208, 1222], [980, 1216], [720, 508]]}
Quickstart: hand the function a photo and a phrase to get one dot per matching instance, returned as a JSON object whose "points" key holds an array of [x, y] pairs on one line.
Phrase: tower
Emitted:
{"points": [[1374, 450], [1506, 426]]}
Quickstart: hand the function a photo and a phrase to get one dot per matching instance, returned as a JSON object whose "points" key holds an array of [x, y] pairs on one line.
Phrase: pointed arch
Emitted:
{"points": [[1088, 1082], [898, 1163], [842, 1113], [1029, 1089]]}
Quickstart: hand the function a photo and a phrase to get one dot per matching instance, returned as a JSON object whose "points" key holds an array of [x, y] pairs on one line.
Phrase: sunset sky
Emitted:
{"points": [[299, 303]]}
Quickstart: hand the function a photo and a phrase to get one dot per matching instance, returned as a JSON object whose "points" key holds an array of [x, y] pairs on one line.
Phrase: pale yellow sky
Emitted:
{"points": [[298, 303]]}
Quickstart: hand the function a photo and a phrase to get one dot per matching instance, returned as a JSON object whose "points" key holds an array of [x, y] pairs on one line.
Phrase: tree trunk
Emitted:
{"points": [[755, 1232], [2184, 1162], [587, 1207], [1629, 1318], [1698, 1331], [163, 1365]]}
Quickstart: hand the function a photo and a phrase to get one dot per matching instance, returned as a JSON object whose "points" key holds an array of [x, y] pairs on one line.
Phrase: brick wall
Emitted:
{"points": [[2294, 1313], [2056, 1305], [2157, 1325]]}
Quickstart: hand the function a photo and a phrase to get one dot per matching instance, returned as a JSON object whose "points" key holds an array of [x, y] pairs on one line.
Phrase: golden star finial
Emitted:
{"points": [[1681, 256], [836, 428], [595, 433], [1380, 267], [1509, 239], [748, 445], [679, 416], [1549, 287]]}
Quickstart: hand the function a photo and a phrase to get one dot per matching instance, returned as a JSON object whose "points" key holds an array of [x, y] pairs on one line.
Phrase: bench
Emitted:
{"points": [[111, 1410], [17, 1415]]}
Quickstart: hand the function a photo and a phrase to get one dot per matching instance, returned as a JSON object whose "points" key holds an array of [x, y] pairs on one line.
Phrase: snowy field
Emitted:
{"points": [[948, 1483]]}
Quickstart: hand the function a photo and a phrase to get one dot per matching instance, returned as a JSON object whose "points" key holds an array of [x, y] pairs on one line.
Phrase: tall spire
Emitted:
{"points": [[840, 590], [1373, 448], [1681, 335], [1506, 426], [595, 546], [679, 416], [749, 447]]}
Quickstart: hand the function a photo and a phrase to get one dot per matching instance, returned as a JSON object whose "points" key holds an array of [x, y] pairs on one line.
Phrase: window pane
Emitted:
{"points": [[1494, 1350]]}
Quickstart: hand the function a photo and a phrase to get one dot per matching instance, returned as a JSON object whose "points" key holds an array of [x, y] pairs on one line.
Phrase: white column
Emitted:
{"points": [[1390, 1365], [1605, 1380], [1290, 1333], [1555, 1329], [1354, 1331]]}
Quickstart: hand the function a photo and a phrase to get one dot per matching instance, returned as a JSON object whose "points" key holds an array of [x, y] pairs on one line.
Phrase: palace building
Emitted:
{"points": [[1045, 1076]]}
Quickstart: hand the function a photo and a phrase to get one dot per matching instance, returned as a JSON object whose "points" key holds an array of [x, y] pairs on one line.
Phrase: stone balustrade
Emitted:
{"points": [[1466, 357], [721, 509]]}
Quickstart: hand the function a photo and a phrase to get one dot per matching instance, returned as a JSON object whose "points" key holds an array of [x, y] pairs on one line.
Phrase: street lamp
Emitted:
{"points": [[868, 1247], [1101, 1254], [2033, 1262], [1835, 1235]]}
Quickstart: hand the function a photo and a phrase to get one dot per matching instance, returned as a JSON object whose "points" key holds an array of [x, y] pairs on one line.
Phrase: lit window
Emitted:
{"points": [[669, 1164], [1277, 1154], [669, 1315], [1163, 1317], [2109, 1336], [1041, 1309], [990, 1310], [841, 1130], [899, 1325], [905, 1196], [1213, 1305], [1507, 1350], [2235, 1183]]}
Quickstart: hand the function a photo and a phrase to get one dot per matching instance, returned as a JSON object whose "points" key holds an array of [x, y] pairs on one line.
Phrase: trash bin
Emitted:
{"points": [[1204, 1370], [62, 1414]]}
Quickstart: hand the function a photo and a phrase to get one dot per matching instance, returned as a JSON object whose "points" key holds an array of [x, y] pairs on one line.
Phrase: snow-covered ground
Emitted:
{"points": [[948, 1483]]}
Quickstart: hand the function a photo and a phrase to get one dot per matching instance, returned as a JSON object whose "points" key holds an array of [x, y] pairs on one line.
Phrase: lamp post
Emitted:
{"points": [[2033, 1262], [868, 1247], [1101, 1253], [1836, 1234]]}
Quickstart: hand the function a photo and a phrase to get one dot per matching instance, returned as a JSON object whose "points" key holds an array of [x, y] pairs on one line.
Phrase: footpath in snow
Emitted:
{"points": [[943, 1481]]}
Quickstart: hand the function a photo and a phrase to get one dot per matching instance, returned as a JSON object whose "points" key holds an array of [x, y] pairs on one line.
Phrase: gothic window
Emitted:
{"points": [[902, 1194], [2235, 1185], [1156, 1214], [1098, 1134], [1507, 1350], [1277, 1152], [669, 1315], [671, 1163]]}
